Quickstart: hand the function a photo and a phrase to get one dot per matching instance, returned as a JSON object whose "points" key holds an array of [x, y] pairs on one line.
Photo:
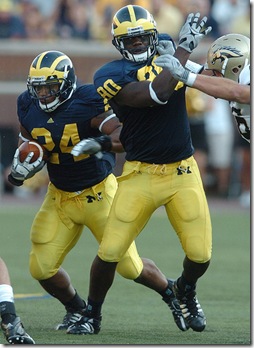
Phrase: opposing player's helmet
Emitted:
{"points": [[49, 69], [132, 21], [229, 54]]}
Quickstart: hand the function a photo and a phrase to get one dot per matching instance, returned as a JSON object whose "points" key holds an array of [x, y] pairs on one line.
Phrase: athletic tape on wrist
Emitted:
{"points": [[154, 96], [191, 79], [194, 67]]}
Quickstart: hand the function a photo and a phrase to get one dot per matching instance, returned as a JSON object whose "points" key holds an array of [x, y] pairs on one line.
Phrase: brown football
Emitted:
{"points": [[32, 146]]}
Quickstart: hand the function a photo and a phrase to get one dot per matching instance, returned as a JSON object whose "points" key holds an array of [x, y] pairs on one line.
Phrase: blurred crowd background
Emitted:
{"points": [[223, 157], [91, 19]]}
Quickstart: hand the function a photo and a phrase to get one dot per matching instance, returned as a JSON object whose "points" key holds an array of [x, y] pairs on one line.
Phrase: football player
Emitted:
{"points": [[160, 169], [228, 57], [58, 114], [11, 324]]}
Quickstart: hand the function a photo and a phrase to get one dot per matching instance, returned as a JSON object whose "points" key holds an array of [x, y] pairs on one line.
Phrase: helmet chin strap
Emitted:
{"points": [[138, 58], [50, 106]]}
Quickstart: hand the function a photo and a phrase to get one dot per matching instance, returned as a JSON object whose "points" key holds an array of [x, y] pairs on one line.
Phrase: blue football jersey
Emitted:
{"points": [[158, 134], [60, 130]]}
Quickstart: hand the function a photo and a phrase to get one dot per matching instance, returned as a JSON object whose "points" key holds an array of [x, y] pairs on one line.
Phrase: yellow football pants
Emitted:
{"points": [[59, 223], [142, 188]]}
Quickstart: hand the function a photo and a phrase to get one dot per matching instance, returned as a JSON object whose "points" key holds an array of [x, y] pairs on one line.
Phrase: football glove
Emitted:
{"points": [[93, 146], [165, 47], [21, 171], [192, 32], [176, 69]]}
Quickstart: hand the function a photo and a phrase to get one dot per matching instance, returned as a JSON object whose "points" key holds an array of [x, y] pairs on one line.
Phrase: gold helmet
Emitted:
{"points": [[52, 68], [131, 21], [229, 54]]}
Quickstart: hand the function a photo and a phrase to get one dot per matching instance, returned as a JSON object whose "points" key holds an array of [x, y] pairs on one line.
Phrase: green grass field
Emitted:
{"points": [[133, 314]]}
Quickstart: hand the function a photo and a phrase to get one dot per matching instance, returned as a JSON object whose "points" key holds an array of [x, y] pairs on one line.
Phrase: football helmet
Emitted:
{"points": [[53, 71], [134, 21], [229, 54]]}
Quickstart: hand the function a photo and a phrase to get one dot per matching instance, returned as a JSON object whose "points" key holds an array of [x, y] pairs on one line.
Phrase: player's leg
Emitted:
{"points": [[126, 220], [11, 324], [189, 215], [53, 235], [70, 212]]}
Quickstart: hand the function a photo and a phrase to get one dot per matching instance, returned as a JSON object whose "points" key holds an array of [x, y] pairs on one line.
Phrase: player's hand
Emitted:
{"points": [[92, 146], [176, 69], [21, 171], [193, 31], [165, 47]]}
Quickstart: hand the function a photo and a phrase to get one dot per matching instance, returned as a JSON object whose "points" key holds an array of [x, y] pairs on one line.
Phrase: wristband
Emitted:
{"points": [[191, 79], [14, 181], [154, 97], [194, 67], [105, 142]]}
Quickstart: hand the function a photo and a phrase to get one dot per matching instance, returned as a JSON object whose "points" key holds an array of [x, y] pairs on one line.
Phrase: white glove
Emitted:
{"points": [[165, 47], [176, 69], [25, 170], [87, 146], [93, 146], [192, 32]]}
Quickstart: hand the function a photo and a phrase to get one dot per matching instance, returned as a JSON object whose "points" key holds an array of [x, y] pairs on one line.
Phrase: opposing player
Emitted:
{"points": [[159, 170], [11, 324], [57, 114], [229, 57]]}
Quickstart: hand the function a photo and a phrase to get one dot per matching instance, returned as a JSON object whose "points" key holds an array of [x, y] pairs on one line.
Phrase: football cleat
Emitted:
{"points": [[71, 317], [191, 309], [85, 326], [174, 306], [14, 333]]}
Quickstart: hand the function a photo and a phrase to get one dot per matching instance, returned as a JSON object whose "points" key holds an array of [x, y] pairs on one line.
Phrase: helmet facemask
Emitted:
{"points": [[131, 22], [132, 54]]}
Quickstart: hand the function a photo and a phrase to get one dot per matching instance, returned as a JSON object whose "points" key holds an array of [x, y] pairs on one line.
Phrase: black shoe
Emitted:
{"points": [[14, 333], [85, 326], [71, 317], [191, 309], [174, 306]]}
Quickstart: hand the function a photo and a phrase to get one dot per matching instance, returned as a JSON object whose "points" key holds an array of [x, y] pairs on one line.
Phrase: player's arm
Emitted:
{"points": [[110, 126], [146, 93], [223, 88], [24, 135], [217, 87], [21, 171]]}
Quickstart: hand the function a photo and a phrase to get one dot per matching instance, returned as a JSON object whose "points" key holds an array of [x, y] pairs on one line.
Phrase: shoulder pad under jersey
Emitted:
{"points": [[24, 99], [118, 72]]}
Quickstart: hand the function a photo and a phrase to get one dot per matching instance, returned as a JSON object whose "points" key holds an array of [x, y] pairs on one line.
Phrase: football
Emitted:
{"points": [[32, 146]]}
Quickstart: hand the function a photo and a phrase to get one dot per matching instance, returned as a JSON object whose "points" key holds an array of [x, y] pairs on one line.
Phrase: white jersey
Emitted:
{"points": [[241, 112]]}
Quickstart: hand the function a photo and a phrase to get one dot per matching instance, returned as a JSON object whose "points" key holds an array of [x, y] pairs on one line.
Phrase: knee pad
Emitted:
{"points": [[129, 269], [37, 271]]}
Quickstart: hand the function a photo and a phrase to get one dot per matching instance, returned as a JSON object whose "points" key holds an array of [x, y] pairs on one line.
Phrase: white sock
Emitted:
{"points": [[6, 293]]}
